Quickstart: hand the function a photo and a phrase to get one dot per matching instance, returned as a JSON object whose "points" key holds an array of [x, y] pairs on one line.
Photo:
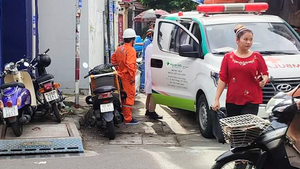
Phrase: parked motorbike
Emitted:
{"points": [[105, 98], [49, 97], [278, 147], [18, 97]]}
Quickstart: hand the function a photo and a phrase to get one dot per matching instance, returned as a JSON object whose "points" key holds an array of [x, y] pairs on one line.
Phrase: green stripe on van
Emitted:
{"points": [[175, 102], [204, 42], [172, 18]]}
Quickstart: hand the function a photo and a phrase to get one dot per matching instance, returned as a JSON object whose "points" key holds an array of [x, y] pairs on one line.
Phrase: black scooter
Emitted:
{"points": [[49, 97], [107, 110], [278, 147]]}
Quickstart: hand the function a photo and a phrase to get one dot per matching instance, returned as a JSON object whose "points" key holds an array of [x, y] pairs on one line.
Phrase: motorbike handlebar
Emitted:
{"points": [[86, 76], [20, 61]]}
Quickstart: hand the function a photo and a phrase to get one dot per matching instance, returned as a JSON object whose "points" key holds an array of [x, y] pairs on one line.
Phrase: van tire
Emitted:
{"points": [[204, 117]]}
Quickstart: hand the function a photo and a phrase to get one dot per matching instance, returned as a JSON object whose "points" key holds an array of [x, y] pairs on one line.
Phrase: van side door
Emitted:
{"points": [[172, 74]]}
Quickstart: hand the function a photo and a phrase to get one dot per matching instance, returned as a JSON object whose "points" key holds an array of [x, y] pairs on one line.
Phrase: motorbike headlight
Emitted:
{"points": [[271, 104]]}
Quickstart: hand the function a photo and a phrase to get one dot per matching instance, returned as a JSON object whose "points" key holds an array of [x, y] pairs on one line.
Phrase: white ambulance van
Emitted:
{"points": [[188, 49]]}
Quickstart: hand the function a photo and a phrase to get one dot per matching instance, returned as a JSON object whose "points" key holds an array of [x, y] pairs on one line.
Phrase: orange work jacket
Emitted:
{"points": [[125, 59]]}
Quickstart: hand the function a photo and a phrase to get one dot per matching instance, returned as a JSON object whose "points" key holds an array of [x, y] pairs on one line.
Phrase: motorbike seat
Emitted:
{"points": [[104, 89], [12, 84], [44, 77]]}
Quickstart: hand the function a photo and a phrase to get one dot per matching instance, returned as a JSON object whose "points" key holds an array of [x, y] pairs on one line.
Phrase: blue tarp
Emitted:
{"points": [[16, 30], [138, 48], [1, 64]]}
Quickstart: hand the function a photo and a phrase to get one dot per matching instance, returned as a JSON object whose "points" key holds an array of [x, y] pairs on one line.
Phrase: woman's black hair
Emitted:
{"points": [[240, 30]]}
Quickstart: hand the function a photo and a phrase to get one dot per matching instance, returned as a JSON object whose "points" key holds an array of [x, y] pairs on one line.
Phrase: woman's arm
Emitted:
{"points": [[220, 89], [263, 70]]}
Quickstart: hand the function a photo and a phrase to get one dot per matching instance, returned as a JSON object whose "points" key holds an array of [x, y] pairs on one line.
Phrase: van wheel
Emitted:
{"points": [[204, 117]]}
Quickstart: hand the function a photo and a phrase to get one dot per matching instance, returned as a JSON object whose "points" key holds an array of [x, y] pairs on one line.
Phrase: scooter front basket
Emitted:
{"points": [[241, 131]]}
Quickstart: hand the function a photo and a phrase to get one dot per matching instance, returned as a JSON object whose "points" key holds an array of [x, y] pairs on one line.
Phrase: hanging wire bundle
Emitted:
{"points": [[241, 131]]}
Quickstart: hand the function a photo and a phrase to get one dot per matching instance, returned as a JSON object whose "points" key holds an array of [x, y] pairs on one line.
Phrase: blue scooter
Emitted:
{"points": [[18, 100]]}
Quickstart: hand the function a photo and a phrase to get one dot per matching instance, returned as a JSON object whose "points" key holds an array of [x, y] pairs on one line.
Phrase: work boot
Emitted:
{"points": [[132, 122], [147, 113], [154, 116]]}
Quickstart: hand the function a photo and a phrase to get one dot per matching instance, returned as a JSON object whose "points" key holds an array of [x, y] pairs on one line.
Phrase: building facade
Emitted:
{"points": [[57, 31]]}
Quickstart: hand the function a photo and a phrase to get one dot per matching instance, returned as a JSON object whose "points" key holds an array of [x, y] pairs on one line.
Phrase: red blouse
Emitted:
{"points": [[240, 74]]}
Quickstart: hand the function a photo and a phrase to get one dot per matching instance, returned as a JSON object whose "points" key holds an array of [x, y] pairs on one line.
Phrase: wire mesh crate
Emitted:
{"points": [[241, 131]]}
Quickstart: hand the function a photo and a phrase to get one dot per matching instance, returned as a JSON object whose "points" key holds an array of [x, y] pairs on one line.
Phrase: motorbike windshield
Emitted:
{"points": [[9, 91], [268, 38]]}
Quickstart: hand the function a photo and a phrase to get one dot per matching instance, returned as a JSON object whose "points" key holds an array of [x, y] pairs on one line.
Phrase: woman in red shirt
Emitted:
{"points": [[245, 73]]}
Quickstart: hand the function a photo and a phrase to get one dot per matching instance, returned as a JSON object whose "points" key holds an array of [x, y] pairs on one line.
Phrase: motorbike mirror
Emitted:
{"points": [[7, 66], [85, 65], [26, 64]]}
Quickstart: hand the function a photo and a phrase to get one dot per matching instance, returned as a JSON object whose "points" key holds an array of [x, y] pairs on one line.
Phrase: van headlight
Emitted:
{"points": [[215, 77], [271, 104]]}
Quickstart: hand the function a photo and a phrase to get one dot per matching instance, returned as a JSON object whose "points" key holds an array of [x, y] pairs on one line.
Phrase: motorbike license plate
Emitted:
{"points": [[10, 111], [50, 96], [106, 107]]}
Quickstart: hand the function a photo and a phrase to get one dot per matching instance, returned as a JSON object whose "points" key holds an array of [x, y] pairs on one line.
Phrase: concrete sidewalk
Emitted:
{"points": [[170, 124]]}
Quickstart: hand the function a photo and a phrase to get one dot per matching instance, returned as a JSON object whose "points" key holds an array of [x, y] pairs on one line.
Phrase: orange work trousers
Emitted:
{"points": [[129, 101]]}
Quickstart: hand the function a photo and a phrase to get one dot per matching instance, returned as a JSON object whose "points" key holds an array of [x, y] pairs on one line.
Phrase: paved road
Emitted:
{"points": [[173, 142]]}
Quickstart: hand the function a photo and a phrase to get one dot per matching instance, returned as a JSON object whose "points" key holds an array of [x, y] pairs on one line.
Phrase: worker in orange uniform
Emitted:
{"points": [[125, 59]]}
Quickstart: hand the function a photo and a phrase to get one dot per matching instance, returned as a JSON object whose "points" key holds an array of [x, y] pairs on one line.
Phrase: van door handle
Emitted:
{"points": [[157, 63]]}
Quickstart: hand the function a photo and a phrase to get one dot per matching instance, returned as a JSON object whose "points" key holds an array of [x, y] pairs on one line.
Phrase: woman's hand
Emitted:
{"points": [[216, 105], [264, 80], [262, 83], [298, 104]]}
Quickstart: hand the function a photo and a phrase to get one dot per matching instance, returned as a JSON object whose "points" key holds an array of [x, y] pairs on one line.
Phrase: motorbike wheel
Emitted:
{"points": [[56, 112], [237, 163], [111, 130], [17, 128]]}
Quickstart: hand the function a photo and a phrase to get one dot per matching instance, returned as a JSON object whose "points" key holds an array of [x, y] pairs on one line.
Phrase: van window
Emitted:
{"points": [[267, 38], [171, 36]]}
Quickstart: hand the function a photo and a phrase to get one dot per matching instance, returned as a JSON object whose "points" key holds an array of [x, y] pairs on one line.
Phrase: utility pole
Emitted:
{"points": [[77, 52], [33, 6], [107, 34]]}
